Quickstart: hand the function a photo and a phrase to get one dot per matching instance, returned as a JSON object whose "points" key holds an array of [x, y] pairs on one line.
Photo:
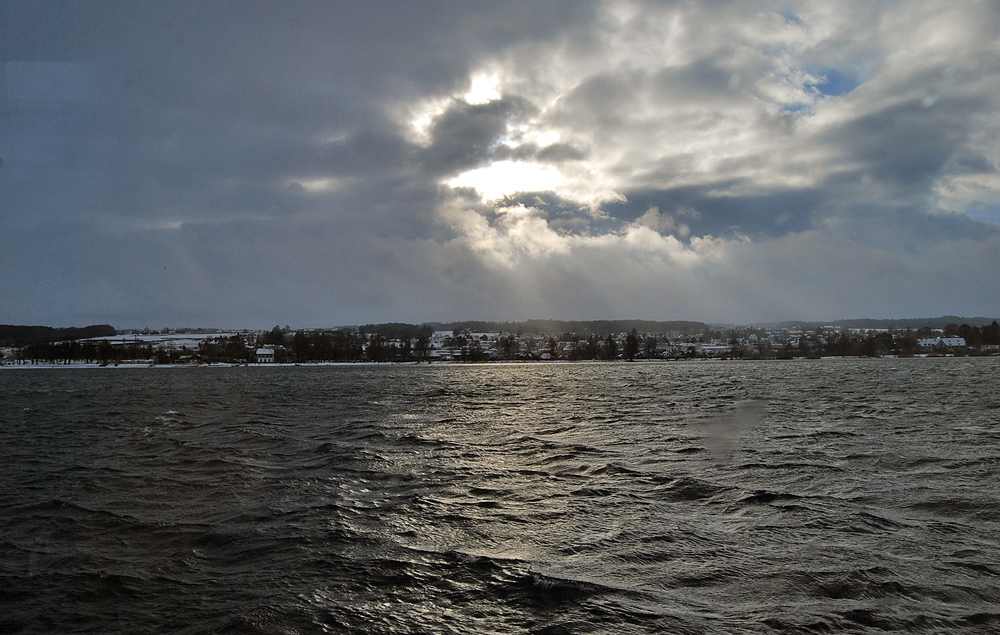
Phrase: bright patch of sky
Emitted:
{"points": [[833, 83], [485, 88], [506, 178]]}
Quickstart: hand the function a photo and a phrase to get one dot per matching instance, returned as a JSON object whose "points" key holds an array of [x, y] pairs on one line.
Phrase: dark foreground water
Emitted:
{"points": [[807, 496]]}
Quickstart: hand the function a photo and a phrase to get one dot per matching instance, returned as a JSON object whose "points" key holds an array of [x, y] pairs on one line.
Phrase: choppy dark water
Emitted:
{"points": [[837, 495]]}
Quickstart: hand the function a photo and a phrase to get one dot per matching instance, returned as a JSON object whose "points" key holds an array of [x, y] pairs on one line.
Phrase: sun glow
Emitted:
{"points": [[505, 178], [484, 89]]}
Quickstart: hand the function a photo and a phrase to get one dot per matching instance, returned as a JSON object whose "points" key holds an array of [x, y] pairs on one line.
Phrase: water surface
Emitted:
{"points": [[695, 497]]}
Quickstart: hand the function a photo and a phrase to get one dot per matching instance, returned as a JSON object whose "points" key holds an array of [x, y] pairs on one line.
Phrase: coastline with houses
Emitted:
{"points": [[404, 343]]}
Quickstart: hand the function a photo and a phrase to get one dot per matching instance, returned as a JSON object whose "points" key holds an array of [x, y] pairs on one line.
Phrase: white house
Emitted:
{"points": [[941, 341], [265, 355]]}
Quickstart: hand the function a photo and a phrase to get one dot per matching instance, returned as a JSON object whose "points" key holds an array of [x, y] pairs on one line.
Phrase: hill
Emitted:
{"points": [[17, 335]]}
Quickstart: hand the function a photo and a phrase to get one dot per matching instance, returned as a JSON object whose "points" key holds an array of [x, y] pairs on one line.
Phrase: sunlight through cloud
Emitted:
{"points": [[485, 88], [506, 178]]}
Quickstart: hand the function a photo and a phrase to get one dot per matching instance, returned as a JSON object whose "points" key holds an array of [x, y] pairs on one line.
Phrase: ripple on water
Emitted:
{"points": [[543, 499]]}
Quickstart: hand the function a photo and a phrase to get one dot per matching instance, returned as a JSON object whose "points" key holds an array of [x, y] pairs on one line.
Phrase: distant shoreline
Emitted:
{"points": [[88, 366]]}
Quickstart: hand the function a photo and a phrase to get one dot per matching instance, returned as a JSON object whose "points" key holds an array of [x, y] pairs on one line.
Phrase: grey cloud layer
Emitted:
{"points": [[246, 164]]}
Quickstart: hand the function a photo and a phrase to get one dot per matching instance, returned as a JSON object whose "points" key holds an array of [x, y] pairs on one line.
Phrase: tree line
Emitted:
{"points": [[16, 335], [875, 344], [402, 342]]}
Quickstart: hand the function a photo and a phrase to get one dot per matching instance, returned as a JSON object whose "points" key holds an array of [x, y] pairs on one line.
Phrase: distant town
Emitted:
{"points": [[481, 342]]}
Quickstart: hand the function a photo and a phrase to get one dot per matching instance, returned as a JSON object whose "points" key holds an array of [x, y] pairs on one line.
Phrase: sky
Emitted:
{"points": [[241, 165]]}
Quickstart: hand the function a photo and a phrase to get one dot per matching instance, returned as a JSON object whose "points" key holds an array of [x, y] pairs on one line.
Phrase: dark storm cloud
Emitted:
{"points": [[559, 152], [199, 95], [465, 136], [704, 212], [909, 143]]}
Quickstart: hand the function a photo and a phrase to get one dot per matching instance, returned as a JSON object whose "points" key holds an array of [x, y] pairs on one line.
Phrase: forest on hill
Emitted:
{"points": [[15, 335]]}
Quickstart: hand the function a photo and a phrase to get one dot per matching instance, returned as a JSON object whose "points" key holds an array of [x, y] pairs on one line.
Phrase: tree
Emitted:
{"points": [[376, 348], [611, 347], [236, 351], [508, 346], [650, 347], [991, 333], [905, 343], [972, 334], [422, 347], [322, 344], [275, 337], [104, 352], [300, 346], [631, 346], [474, 351]]}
